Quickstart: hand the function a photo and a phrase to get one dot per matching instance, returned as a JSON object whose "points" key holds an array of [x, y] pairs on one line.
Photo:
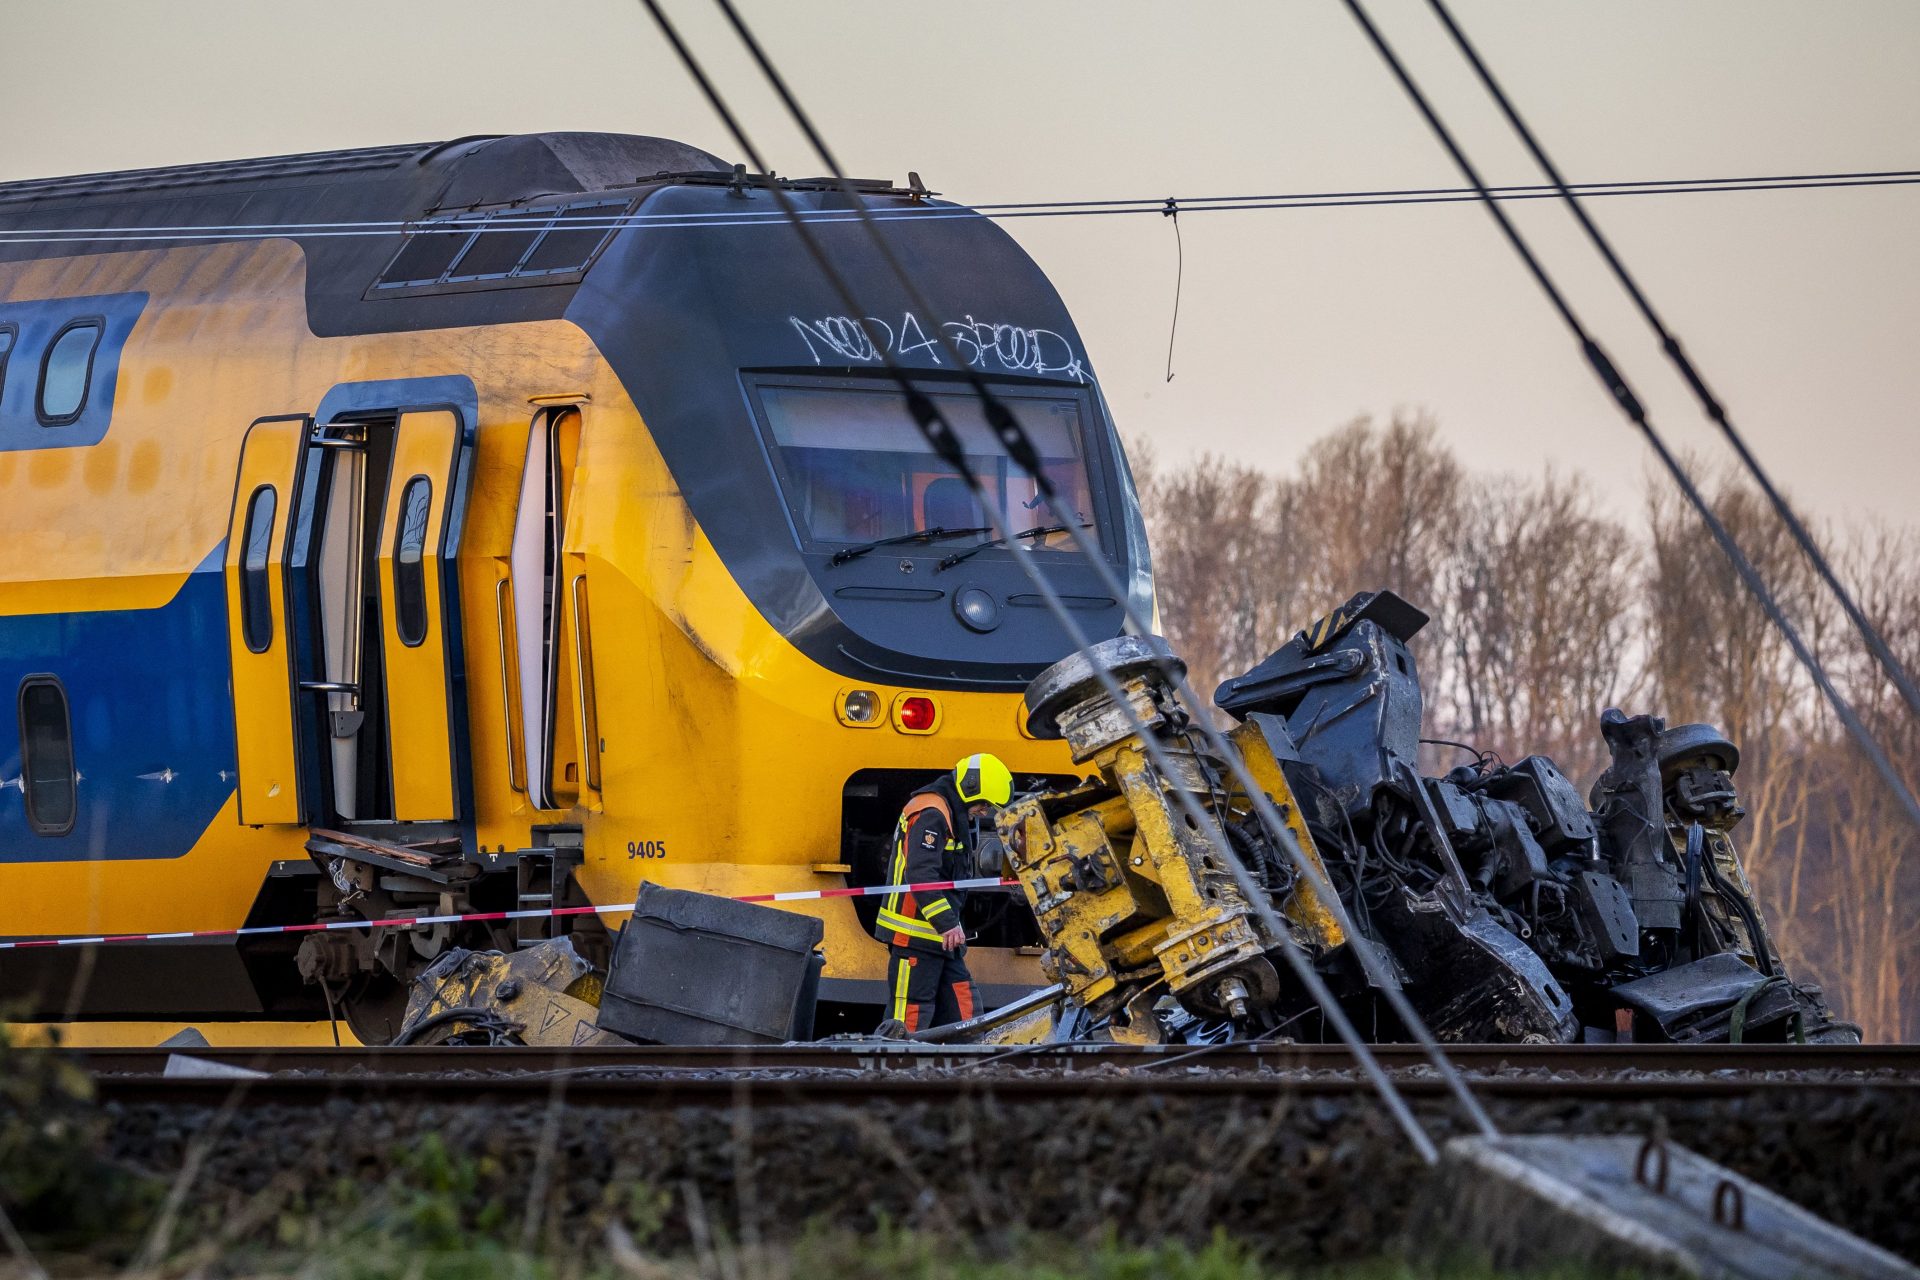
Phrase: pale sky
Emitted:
{"points": [[1801, 307]]}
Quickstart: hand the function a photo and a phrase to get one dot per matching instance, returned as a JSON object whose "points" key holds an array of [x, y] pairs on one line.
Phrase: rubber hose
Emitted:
{"points": [[483, 1019], [1762, 952], [1737, 1026]]}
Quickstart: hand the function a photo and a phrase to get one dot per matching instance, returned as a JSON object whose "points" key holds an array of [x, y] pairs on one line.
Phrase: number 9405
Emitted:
{"points": [[646, 848]]}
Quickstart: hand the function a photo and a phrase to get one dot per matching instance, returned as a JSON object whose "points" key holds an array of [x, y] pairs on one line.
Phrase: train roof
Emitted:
{"points": [[325, 200], [370, 221], [474, 171]]}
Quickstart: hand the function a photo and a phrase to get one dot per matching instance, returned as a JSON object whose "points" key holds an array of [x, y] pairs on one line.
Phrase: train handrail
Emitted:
{"points": [[583, 685], [509, 686]]}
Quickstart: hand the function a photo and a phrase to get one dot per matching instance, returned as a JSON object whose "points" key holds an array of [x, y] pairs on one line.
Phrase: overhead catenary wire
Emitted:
{"points": [[1630, 405], [941, 436], [488, 222], [1268, 817], [1172, 211], [1710, 403]]}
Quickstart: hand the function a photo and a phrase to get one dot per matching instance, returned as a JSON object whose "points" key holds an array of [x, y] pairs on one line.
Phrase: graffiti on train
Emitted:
{"points": [[982, 344]]}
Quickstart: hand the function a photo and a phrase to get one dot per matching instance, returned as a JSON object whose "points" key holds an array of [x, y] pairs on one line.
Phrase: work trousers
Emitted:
{"points": [[928, 988]]}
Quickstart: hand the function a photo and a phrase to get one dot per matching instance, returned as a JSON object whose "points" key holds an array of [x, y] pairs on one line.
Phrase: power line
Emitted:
{"points": [[488, 223], [1710, 403], [1789, 179], [1172, 211], [1636, 413], [1268, 817]]}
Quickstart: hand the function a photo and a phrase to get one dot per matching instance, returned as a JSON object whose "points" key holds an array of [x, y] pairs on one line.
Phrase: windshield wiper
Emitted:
{"points": [[1038, 531], [934, 534]]}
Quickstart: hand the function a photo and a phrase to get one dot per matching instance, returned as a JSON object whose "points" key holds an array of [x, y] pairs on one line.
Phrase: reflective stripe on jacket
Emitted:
{"points": [[924, 850]]}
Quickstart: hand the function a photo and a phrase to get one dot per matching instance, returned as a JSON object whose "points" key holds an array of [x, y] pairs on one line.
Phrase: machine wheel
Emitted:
{"points": [[375, 1006]]}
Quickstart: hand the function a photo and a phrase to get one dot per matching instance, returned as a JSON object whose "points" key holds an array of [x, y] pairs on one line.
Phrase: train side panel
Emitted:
{"points": [[705, 750]]}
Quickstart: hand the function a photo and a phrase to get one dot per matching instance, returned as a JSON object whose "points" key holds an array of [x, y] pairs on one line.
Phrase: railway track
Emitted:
{"points": [[1049, 1136], [865, 1071]]}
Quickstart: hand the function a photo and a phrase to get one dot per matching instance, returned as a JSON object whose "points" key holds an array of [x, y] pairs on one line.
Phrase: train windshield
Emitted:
{"points": [[857, 469]]}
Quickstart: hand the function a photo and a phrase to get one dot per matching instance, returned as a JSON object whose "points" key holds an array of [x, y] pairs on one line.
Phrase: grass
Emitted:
{"points": [[427, 1220], [885, 1254]]}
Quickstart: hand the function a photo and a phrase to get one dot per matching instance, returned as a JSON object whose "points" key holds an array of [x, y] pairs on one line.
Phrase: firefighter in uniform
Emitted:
{"points": [[927, 980]]}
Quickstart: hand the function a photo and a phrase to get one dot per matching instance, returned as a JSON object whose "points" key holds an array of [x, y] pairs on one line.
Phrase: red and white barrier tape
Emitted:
{"points": [[799, 895]]}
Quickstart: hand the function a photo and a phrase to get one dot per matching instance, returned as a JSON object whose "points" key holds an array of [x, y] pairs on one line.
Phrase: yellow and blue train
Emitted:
{"points": [[524, 515]]}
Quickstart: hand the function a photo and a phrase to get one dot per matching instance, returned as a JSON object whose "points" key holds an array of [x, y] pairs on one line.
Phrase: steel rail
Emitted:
{"points": [[870, 1057], [727, 1090]]}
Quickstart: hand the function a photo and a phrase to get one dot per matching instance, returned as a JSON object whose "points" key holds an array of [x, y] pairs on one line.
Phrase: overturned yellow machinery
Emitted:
{"points": [[1134, 899]]}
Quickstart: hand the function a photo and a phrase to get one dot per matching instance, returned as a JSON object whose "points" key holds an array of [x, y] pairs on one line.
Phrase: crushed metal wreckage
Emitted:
{"points": [[1503, 906], [543, 995]]}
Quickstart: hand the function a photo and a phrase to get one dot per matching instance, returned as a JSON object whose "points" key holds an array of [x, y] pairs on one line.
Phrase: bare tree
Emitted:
{"points": [[1373, 507], [1538, 614], [1217, 590]]}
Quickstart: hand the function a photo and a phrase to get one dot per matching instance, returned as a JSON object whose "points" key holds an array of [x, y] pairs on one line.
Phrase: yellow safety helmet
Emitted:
{"points": [[983, 777]]}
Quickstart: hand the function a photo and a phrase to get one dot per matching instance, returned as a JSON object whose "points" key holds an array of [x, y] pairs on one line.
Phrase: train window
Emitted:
{"points": [[426, 255], [856, 467], [65, 371], [573, 238], [7, 334], [409, 573], [46, 756], [497, 250], [256, 600], [509, 246]]}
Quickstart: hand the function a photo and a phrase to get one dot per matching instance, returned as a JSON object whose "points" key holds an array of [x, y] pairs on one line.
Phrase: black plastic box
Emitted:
{"points": [[692, 968]]}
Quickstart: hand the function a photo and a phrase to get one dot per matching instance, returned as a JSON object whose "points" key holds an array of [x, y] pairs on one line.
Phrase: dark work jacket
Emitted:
{"points": [[931, 842]]}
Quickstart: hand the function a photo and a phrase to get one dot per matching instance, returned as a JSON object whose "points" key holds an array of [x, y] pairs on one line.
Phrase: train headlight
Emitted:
{"points": [[976, 608], [915, 713], [858, 708]]}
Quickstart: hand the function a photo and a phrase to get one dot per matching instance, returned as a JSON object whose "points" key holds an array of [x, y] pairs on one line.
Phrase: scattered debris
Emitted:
{"points": [[688, 968], [543, 995], [185, 1066]]}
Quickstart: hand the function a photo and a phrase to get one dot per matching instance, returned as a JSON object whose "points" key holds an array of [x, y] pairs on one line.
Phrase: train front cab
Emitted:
{"points": [[722, 733], [778, 691]]}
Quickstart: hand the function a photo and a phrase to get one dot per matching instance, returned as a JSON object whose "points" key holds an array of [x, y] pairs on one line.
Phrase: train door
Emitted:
{"points": [[383, 511], [560, 739], [259, 636], [416, 630]]}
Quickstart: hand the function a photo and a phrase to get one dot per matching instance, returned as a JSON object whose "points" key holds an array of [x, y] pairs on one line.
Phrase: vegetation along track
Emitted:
{"points": [[1154, 1143]]}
